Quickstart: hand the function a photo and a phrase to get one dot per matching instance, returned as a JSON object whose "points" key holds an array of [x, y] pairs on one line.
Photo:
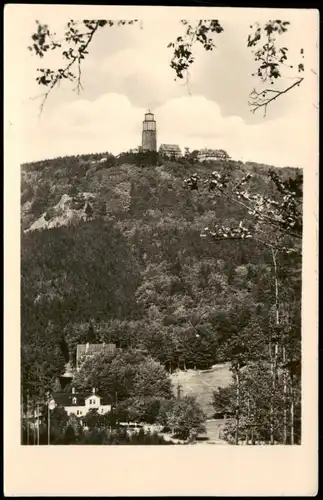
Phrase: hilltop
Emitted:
{"points": [[119, 186], [115, 246]]}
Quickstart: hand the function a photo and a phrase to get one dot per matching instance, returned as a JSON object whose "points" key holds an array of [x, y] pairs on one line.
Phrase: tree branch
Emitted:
{"points": [[65, 73], [260, 99], [43, 41], [262, 216]]}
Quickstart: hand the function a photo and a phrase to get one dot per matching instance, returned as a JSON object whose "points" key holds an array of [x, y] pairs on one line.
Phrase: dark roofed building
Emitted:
{"points": [[86, 351], [170, 150]]}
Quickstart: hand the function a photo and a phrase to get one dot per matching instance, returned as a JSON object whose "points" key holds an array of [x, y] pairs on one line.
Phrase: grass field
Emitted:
{"points": [[202, 384]]}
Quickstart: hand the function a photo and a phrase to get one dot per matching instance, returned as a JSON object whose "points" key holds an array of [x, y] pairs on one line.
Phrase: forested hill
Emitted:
{"points": [[118, 253]]}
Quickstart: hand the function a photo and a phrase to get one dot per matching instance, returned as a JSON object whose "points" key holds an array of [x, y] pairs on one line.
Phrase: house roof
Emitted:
{"points": [[94, 349], [213, 152], [66, 398], [170, 147]]}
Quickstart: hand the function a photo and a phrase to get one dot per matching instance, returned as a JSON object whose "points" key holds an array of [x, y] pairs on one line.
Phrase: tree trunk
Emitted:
{"points": [[237, 405], [34, 429], [275, 355], [22, 417], [285, 397], [38, 423], [27, 420], [292, 438], [248, 420]]}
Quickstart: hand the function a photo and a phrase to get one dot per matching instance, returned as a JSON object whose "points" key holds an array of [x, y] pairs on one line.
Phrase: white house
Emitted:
{"points": [[79, 403]]}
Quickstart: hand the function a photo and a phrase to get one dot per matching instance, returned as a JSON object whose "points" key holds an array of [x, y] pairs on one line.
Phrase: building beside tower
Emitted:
{"points": [[171, 151], [149, 133]]}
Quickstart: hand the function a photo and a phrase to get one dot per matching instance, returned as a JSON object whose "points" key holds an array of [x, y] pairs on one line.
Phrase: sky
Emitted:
{"points": [[127, 72]]}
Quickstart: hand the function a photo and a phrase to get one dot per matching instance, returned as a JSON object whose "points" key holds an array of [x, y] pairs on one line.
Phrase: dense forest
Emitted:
{"points": [[134, 269]]}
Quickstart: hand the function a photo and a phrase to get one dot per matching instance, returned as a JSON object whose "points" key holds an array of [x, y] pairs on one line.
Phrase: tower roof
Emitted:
{"points": [[149, 116]]}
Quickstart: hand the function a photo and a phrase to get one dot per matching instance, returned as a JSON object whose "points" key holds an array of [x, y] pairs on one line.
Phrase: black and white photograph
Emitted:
{"points": [[162, 165]]}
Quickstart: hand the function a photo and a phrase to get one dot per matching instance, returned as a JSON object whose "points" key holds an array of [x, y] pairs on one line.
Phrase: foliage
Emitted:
{"points": [[183, 417], [77, 38], [272, 60], [223, 400], [134, 382], [282, 212], [191, 156], [96, 436], [183, 56], [132, 285], [88, 210], [270, 57], [120, 437], [93, 420], [140, 276], [256, 393], [279, 219]]}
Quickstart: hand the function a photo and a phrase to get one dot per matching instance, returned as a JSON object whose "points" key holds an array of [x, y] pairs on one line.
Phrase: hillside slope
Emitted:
{"points": [[115, 249], [125, 190]]}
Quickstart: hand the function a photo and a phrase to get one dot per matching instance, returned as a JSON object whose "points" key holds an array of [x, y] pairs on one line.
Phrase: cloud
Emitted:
{"points": [[112, 123], [109, 123], [143, 73], [142, 70], [128, 72], [198, 122]]}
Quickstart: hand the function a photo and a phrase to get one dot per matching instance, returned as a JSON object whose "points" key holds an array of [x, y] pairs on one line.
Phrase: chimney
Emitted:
{"points": [[93, 390], [73, 390]]}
